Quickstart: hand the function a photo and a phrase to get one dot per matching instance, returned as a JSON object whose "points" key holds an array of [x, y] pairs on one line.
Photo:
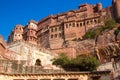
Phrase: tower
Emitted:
{"points": [[30, 32], [116, 8], [99, 6], [16, 34]]}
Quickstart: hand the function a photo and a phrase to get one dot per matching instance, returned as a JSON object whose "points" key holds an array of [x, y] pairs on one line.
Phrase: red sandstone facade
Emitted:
{"points": [[55, 30]]}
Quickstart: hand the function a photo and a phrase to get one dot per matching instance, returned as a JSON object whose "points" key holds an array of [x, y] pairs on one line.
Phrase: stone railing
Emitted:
{"points": [[14, 66]]}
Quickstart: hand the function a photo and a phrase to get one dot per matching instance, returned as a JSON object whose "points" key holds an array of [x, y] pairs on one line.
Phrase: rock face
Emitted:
{"points": [[107, 45], [105, 39], [104, 47], [86, 46]]}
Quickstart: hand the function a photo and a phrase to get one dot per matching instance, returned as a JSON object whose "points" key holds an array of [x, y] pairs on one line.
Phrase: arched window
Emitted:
{"points": [[87, 22], [91, 22], [77, 25], [38, 62], [80, 24], [60, 35], [69, 24], [95, 21]]}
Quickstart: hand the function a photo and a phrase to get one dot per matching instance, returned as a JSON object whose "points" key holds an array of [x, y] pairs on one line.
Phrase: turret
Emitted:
{"points": [[16, 34], [18, 31], [99, 6], [31, 36]]}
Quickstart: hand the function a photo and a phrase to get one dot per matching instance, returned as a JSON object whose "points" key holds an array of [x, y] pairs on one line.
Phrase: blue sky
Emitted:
{"points": [[14, 12]]}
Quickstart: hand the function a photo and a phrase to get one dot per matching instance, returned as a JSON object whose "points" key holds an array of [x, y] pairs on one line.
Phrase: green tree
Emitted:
{"points": [[109, 24], [61, 60], [80, 63], [86, 63]]}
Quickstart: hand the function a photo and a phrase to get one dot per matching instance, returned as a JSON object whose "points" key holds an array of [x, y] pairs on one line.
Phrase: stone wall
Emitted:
{"points": [[30, 53], [71, 52]]}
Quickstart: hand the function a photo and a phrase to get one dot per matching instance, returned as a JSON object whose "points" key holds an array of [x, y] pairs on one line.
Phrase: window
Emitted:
{"points": [[80, 24], [52, 30], [60, 35], [87, 22], [30, 38], [91, 21], [51, 36], [73, 24], [77, 25], [66, 25], [70, 24], [55, 29], [95, 21], [55, 35], [84, 23], [38, 62]]}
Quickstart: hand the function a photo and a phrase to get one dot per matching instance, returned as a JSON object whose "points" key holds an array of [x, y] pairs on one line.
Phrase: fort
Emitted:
{"points": [[52, 32], [29, 50]]}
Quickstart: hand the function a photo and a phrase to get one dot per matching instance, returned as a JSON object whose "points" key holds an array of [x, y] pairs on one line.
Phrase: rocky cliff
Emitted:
{"points": [[105, 46]]}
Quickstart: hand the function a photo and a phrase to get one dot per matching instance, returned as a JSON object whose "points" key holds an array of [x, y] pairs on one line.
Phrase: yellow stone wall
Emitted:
{"points": [[58, 76]]}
